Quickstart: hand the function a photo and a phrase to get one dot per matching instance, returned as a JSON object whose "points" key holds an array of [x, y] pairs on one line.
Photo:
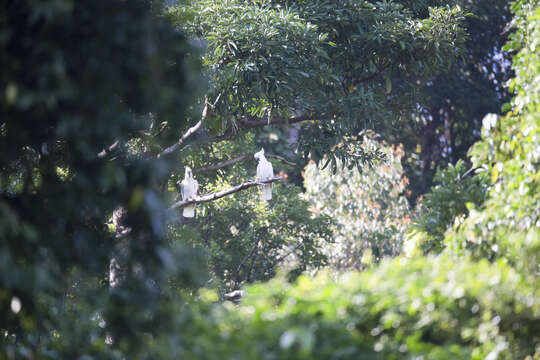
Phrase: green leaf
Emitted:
{"points": [[388, 84]]}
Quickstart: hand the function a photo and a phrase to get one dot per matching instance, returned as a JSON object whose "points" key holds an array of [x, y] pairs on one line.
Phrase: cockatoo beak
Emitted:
{"points": [[258, 155]]}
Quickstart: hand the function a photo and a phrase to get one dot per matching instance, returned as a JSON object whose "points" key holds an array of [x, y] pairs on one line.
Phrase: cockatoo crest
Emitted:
{"points": [[188, 172], [259, 154]]}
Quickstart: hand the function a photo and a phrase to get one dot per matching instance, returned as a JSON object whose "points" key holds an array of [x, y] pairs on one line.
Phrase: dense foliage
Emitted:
{"points": [[251, 247], [347, 65], [76, 77], [448, 202], [244, 239], [431, 308], [368, 205], [96, 101], [507, 225], [484, 306], [318, 72], [453, 104]]}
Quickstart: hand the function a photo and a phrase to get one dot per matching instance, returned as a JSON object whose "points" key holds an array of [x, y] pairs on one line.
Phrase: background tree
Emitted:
{"points": [[507, 225], [330, 66], [246, 239], [369, 207], [447, 204], [77, 78], [451, 105]]}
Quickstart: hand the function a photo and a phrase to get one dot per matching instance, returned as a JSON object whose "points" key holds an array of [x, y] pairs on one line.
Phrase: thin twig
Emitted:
{"points": [[222, 164], [280, 158], [281, 258], [244, 260], [177, 145], [235, 160], [220, 194], [107, 151], [372, 76], [219, 138], [468, 172], [258, 122]]}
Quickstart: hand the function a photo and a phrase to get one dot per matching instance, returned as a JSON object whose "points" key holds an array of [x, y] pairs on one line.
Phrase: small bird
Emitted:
{"points": [[189, 187], [264, 172]]}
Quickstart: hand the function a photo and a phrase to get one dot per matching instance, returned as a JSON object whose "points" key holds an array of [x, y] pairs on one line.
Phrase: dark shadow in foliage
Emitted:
{"points": [[78, 77]]}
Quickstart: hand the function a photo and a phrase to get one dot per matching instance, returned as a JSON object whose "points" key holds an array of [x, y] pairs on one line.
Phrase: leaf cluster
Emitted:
{"points": [[507, 225], [447, 204], [78, 77], [436, 308], [368, 204]]}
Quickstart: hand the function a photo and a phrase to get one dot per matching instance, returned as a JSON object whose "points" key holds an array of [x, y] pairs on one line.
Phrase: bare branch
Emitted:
{"points": [[280, 158], [107, 151], [235, 160], [255, 247], [234, 296], [253, 122], [177, 145], [220, 194], [281, 258], [258, 122], [243, 124], [468, 172], [222, 164], [220, 138]]}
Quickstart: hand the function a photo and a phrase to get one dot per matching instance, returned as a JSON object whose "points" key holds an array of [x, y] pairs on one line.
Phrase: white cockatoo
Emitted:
{"points": [[264, 172], [189, 187]]}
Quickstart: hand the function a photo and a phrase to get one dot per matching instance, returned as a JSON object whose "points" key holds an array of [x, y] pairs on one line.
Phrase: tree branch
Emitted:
{"points": [[243, 124], [372, 76], [280, 158], [254, 123], [220, 194], [280, 258], [177, 145], [237, 275], [235, 160], [468, 172], [108, 150]]}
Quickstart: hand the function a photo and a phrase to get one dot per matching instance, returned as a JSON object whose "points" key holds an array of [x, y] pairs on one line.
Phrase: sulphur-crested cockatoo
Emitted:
{"points": [[264, 172], [189, 188]]}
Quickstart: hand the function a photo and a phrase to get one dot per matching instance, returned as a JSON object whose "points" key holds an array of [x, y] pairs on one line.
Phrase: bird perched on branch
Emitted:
{"points": [[189, 187], [264, 172]]}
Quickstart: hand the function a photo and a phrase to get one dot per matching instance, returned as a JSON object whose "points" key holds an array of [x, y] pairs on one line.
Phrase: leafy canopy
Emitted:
{"points": [[346, 65]]}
